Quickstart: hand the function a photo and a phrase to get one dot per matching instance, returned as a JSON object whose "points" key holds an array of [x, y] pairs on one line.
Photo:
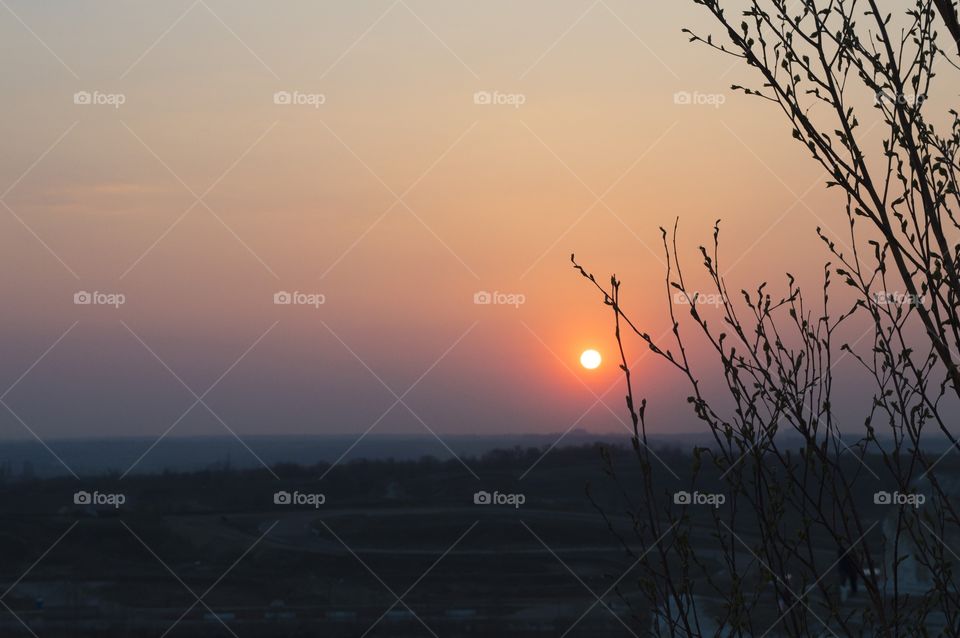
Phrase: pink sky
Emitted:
{"points": [[397, 199]]}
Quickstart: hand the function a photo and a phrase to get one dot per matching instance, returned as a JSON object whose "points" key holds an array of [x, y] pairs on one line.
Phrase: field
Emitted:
{"points": [[396, 549]]}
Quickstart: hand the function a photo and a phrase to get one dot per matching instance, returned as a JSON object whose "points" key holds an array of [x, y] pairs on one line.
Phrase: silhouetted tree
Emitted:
{"points": [[794, 513]]}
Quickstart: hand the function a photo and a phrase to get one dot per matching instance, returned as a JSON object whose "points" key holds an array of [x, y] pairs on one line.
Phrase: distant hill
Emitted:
{"points": [[97, 456]]}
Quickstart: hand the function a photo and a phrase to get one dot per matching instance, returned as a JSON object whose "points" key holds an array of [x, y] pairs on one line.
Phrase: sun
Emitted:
{"points": [[590, 359]]}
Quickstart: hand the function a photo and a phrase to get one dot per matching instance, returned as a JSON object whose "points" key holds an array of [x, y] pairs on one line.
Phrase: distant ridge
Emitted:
{"points": [[28, 458]]}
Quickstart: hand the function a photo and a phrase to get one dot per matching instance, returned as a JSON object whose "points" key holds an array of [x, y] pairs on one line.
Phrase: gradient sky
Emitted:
{"points": [[492, 197]]}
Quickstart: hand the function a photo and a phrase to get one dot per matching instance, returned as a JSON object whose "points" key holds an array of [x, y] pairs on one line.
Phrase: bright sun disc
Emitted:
{"points": [[590, 359]]}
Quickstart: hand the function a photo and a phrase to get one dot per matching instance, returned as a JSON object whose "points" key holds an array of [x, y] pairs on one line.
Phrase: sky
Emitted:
{"points": [[392, 160]]}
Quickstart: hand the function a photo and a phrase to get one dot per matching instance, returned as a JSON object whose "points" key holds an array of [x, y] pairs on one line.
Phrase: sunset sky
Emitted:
{"points": [[392, 190]]}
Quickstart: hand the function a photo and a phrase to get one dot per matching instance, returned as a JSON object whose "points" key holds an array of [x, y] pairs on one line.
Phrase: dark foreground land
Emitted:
{"points": [[394, 549], [507, 544]]}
